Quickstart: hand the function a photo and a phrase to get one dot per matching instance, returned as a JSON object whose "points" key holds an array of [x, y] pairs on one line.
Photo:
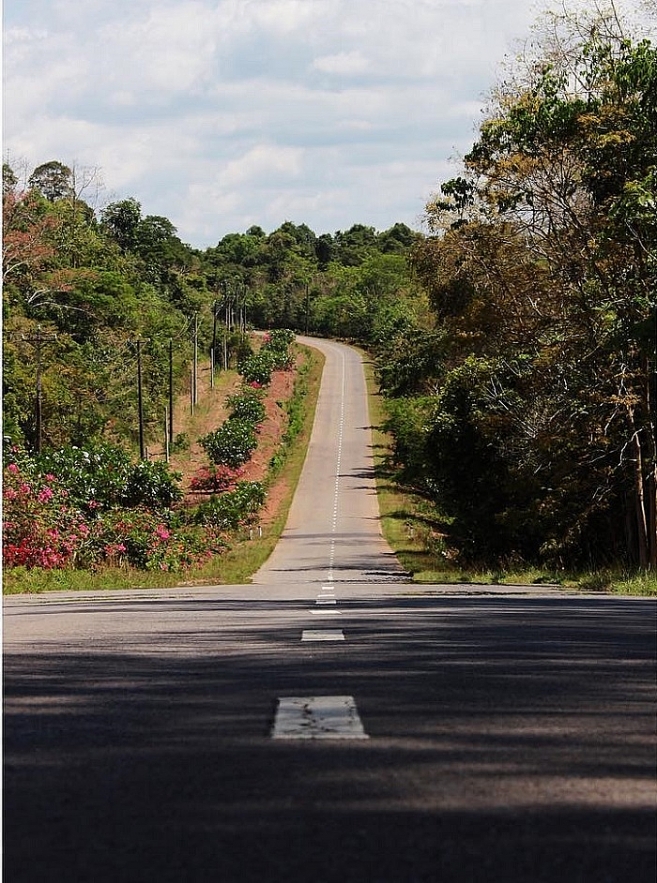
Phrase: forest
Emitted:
{"points": [[514, 340]]}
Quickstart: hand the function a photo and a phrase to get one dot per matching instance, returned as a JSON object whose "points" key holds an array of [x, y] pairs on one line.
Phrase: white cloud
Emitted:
{"points": [[342, 63], [224, 113], [262, 163]]}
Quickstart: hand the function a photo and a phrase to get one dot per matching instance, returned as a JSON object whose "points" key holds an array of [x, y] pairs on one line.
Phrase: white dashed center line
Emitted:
{"points": [[334, 525], [317, 717], [322, 635]]}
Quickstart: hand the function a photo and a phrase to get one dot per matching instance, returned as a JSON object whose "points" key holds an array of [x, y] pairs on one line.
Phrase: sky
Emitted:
{"points": [[222, 114]]}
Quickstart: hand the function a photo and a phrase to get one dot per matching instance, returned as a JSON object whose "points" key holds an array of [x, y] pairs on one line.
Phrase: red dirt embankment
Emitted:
{"points": [[209, 414]]}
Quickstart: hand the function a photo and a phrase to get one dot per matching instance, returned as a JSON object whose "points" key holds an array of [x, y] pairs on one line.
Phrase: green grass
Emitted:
{"points": [[415, 532], [21, 580]]}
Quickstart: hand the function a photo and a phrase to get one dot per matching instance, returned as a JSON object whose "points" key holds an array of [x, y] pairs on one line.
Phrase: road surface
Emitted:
{"points": [[347, 730], [333, 530]]}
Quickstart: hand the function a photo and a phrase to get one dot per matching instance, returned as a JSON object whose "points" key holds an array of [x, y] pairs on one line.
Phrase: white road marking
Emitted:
{"points": [[326, 612], [317, 717], [322, 635], [321, 600], [338, 466]]}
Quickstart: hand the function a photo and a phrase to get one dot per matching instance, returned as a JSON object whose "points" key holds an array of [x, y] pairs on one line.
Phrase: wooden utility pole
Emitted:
{"points": [[140, 404], [307, 306], [171, 392], [214, 340], [38, 340], [195, 374]]}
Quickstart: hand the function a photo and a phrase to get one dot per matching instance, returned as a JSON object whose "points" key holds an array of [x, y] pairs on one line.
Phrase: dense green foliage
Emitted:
{"points": [[535, 432], [82, 287]]}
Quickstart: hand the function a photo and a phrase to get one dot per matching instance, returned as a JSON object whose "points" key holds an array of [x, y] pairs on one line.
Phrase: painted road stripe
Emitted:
{"points": [[317, 717], [326, 601], [326, 612], [322, 635]]}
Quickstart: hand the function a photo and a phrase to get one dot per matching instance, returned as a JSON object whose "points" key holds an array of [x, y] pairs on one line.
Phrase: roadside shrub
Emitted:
{"points": [[229, 510], [180, 442], [39, 526], [137, 538], [407, 421], [103, 475], [279, 339], [247, 405], [94, 476], [257, 368], [150, 483], [232, 444], [46, 526], [277, 345]]}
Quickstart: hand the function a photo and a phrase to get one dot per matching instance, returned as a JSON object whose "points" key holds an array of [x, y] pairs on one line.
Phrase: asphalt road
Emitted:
{"points": [[504, 734], [333, 530]]}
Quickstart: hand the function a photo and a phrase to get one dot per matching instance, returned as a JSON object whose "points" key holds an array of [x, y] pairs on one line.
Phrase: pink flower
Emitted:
{"points": [[44, 495], [10, 493], [162, 532], [50, 478], [13, 468]]}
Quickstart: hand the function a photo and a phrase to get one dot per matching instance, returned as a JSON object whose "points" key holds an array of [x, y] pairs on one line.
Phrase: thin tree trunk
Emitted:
{"points": [[639, 495]]}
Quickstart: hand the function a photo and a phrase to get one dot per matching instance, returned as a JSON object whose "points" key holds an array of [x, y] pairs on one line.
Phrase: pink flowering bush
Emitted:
{"points": [[39, 527], [46, 526], [150, 544]]}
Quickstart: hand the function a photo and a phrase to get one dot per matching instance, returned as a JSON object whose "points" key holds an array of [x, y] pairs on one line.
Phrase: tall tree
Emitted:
{"points": [[53, 180], [543, 269]]}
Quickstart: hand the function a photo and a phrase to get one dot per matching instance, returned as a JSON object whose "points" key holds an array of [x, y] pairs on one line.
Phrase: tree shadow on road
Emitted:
{"points": [[509, 741]]}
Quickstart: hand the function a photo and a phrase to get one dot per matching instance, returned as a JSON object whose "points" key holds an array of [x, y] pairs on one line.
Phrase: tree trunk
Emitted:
{"points": [[644, 469]]}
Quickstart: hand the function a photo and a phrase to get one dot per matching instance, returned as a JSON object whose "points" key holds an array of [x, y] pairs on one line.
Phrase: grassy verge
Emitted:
{"points": [[248, 550], [414, 532]]}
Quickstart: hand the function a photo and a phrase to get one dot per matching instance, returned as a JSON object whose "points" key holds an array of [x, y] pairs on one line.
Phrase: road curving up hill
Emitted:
{"points": [[333, 530]]}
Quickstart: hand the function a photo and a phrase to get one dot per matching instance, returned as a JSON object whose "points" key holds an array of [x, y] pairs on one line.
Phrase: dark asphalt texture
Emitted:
{"points": [[511, 739]]}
